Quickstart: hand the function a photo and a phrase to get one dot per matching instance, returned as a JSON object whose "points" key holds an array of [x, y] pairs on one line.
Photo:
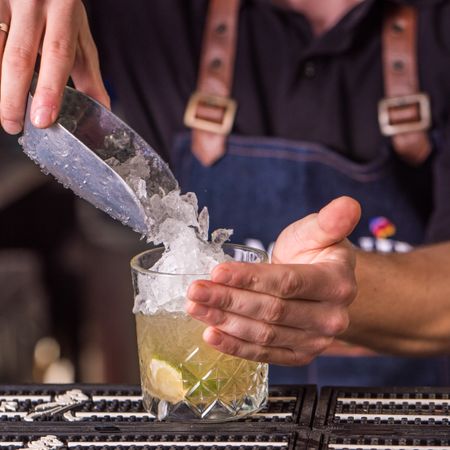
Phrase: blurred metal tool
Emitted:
{"points": [[74, 149]]}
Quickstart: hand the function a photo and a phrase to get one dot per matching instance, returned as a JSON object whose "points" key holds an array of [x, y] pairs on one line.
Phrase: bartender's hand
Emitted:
{"points": [[289, 311], [59, 30]]}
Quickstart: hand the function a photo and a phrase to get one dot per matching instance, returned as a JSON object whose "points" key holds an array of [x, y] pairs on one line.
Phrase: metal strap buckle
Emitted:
{"points": [[227, 105], [385, 105]]}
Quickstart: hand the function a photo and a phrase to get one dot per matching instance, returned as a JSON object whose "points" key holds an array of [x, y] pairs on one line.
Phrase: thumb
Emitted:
{"points": [[332, 224]]}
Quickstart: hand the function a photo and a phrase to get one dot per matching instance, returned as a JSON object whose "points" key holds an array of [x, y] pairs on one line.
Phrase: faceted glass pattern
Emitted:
{"points": [[182, 377], [198, 382]]}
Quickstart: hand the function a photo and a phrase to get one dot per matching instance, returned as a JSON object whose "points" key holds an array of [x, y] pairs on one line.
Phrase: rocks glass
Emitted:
{"points": [[182, 377]]}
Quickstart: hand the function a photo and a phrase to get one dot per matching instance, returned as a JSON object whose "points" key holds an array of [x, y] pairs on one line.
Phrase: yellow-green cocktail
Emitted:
{"points": [[181, 376]]}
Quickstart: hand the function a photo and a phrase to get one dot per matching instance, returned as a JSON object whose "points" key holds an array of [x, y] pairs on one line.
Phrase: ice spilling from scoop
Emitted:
{"points": [[173, 219]]}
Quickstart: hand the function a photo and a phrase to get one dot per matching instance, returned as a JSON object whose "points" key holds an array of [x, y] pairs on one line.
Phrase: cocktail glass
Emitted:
{"points": [[183, 378]]}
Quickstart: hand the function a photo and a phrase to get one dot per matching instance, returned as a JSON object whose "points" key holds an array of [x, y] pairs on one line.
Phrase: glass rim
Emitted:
{"points": [[134, 262]]}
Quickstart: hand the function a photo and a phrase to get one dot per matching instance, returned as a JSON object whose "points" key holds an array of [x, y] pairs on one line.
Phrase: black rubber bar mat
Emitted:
{"points": [[373, 408], [155, 441], [393, 441], [64, 404]]}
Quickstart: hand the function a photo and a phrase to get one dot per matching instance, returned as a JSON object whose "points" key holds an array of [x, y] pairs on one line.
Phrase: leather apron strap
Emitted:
{"points": [[404, 114], [210, 111]]}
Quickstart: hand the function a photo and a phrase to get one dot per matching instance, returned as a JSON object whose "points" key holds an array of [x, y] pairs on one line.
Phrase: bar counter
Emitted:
{"points": [[111, 417]]}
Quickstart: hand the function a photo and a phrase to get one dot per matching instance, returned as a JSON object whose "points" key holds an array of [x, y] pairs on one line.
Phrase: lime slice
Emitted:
{"points": [[166, 381]]}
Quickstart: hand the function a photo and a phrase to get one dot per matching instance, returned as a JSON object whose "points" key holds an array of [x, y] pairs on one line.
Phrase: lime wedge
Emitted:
{"points": [[166, 381]]}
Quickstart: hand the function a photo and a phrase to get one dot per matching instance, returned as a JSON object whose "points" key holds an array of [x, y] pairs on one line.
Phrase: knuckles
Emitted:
{"points": [[345, 289], [48, 92], [261, 354], [275, 310], [230, 346], [335, 324], [19, 58], [10, 110], [290, 284], [316, 347], [265, 335], [226, 301], [61, 49], [234, 347], [348, 290], [218, 318], [243, 275], [319, 345]]}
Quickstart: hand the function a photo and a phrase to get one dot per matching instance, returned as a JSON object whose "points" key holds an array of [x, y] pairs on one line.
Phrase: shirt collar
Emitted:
{"points": [[366, 15], [341, 36]]}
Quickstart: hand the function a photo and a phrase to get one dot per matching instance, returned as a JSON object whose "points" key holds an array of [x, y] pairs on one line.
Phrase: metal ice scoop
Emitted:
{"points": [[74, 149]]}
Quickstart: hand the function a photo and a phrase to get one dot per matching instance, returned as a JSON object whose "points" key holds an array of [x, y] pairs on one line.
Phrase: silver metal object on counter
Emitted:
{"points": [[62, 403], [74, 151]]}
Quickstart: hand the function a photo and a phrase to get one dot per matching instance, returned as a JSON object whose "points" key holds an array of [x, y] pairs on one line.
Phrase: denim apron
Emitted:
{"points": [[262, 185]]}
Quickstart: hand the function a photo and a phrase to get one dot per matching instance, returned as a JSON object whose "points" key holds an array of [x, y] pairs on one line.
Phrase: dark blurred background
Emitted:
{"points": [[65, 284]]}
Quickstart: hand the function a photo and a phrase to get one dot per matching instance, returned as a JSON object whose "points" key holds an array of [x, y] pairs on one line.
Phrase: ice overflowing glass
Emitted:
{"points": [[181, 376]]}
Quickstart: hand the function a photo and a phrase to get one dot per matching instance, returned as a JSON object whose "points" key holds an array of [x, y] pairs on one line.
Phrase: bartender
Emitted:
{"points": [[279, 115]]}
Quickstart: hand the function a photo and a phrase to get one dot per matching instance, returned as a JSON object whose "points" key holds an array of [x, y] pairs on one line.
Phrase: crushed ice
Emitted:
{"points": [[173, 220]]}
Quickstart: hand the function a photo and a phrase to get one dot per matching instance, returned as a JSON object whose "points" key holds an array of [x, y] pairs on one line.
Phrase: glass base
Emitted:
{"points": [[213, 411]]}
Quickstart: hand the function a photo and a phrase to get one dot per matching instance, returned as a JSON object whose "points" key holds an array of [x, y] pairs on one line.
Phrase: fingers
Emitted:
{"points": [[58, 55], [5, 17], [216, 305], [265, 328], [255, 352], [320, 281], [61, 21], [18, 63], [301, 240], [86, 71]]}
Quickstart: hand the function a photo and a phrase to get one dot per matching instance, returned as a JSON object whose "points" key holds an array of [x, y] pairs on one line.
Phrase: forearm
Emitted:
{"points": [[403, 302]]}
